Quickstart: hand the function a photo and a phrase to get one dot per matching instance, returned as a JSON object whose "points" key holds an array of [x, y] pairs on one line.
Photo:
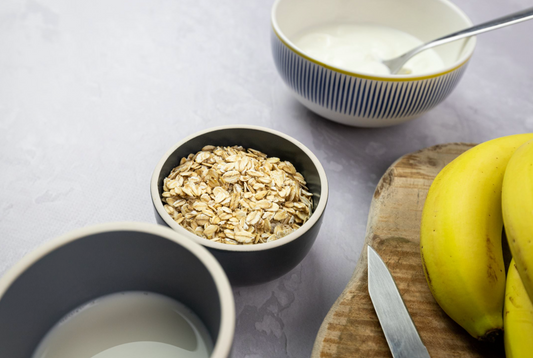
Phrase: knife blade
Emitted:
{"points": [[400, 331]]}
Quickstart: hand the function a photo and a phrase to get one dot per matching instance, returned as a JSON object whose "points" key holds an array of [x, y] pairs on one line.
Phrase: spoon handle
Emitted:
{"points": [[507, 20]]}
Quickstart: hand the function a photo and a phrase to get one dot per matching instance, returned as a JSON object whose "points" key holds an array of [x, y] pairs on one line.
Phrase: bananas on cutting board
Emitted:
{"points": [[461, 238]]}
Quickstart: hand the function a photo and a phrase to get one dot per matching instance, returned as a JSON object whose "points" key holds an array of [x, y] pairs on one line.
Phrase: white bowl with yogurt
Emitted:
{"points": [[329, 54]]}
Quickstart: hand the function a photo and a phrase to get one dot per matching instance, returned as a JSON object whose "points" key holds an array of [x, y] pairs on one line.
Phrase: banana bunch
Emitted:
{"points": [[461, 234]]}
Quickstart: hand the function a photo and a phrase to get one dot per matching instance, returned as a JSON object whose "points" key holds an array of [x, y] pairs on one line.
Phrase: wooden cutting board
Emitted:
{"points": [[351, 328]]}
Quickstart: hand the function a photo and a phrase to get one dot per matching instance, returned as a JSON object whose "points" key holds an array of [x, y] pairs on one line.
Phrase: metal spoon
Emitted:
{"points": [[395, 64]]}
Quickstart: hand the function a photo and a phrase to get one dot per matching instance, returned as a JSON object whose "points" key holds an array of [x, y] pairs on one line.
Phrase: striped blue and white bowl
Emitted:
{"points": [[360, 99]]}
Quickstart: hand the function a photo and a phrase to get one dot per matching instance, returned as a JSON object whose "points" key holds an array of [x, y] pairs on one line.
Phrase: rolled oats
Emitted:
{"points": [[236, 196]]}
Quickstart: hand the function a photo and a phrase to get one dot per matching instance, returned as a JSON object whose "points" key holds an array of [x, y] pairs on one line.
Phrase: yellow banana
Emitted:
{"points": [[517, 205], [518, 317], [460, 236]]}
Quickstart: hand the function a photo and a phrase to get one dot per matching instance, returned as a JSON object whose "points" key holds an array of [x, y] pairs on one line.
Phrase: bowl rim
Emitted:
{"points": [[390, 78], [222, 346], [317, 213]]}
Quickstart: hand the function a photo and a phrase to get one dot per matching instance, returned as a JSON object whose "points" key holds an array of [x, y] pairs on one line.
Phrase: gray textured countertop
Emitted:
{"points": [[92, 93]]}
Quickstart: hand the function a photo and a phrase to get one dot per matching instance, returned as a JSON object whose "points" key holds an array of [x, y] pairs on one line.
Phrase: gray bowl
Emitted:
{"points": [[92, 262], [251, 264]]}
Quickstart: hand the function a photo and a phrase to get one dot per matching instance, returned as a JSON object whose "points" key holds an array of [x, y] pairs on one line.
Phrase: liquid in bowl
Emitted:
{"points": [[128, 325]]}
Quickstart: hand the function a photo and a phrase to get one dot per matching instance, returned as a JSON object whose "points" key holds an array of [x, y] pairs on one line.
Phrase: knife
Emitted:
{"points": [[400, 331]]}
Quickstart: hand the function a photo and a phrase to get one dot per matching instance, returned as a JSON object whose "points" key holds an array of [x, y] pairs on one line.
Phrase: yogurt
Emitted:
{"points": [[363, 47]]}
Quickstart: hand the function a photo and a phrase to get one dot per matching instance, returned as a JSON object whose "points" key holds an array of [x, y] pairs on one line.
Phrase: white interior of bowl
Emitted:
{"points": [[424, 19]]}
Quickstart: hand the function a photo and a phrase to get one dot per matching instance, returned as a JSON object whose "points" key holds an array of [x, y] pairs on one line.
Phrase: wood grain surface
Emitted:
{"points": [[351, 328]]}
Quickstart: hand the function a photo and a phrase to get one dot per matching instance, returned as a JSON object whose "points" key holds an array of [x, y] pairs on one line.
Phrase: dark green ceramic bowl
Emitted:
{"points": [[251, 264], [96, 261]]}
